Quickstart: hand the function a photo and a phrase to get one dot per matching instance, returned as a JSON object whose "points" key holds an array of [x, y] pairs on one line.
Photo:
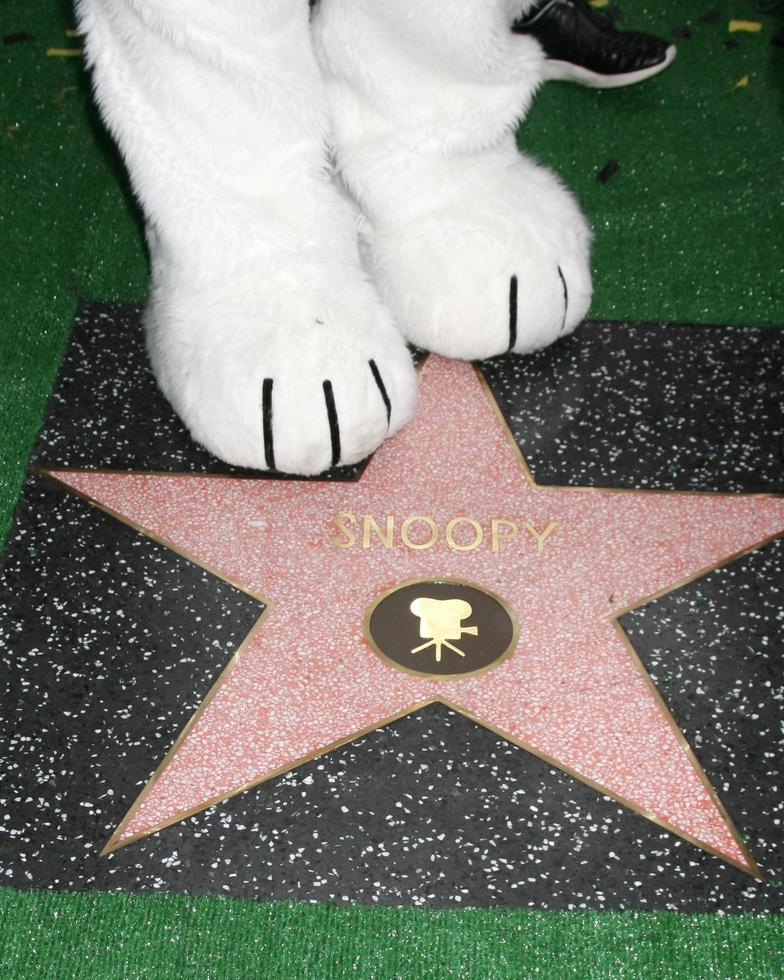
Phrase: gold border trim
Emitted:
{"points": [[114, 844], [604, 791], [510, 649]]}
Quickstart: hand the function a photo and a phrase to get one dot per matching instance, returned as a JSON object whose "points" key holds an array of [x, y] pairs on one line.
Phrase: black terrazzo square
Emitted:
{"points": [[109, 642]]}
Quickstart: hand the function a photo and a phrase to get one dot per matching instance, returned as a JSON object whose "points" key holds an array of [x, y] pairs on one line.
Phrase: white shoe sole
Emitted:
{"points": [[565, 71]]}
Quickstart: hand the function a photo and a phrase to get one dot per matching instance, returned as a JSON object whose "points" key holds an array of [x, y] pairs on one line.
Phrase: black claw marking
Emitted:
{"points": [[266, 418], [334, 428], [382, 388], [566, 298], [512, 312]]}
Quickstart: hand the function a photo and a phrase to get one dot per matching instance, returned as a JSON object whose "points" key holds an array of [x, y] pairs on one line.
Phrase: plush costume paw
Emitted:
{"points": [[499, 263], [476, 250], [263, 329], [303, 372]]}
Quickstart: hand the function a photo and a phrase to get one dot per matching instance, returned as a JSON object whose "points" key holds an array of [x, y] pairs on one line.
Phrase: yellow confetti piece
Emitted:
{"points": [[741, 83], [72, 33], [749, 26], [63, 52], [598, 4]]}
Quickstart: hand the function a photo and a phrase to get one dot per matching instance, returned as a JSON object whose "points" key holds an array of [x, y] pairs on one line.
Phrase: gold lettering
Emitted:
{"points": [[340, 521], [501, 529], [542, 536], [479, 534], [385, 537], [496, 537], [419, 546]]}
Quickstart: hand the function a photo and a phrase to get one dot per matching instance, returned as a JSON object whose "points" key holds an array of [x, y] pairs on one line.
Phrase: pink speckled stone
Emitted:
{"points": [[573, 691]]}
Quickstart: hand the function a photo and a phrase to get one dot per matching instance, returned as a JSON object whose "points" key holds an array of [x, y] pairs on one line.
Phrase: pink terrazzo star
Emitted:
{"points": [[573, 692]]}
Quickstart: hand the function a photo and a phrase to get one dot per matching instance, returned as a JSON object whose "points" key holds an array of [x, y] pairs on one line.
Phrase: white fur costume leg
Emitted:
{"points": [[476, 249], [262, 329]]}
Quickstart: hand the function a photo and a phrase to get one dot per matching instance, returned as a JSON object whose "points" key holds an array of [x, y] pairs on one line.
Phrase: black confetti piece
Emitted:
{"points": [[710, 17], [731, 45], [610, 169], [19, 38], [681, 32]]}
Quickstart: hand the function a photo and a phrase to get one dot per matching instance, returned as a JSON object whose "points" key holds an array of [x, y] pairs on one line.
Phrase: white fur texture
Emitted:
{"points": [[219, 111], [425, 98]]}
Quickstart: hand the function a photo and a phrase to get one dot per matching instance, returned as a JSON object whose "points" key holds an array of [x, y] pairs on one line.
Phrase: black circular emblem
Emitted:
{"points": [[441, 628]]}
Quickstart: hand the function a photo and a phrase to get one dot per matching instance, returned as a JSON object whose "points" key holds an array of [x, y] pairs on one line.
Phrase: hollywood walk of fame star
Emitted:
{"points": [[567, 561]]}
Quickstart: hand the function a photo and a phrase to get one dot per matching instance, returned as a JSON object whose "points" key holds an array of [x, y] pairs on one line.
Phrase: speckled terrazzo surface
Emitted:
{"points": [[369, 822], [646, 406], [632, 405]]}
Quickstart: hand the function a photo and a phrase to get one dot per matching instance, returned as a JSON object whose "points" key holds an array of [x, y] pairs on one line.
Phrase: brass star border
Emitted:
{"points": [[115, 843]]}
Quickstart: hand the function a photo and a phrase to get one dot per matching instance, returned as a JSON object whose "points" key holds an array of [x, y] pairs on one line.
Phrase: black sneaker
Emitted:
{"points": [[583, 46]]}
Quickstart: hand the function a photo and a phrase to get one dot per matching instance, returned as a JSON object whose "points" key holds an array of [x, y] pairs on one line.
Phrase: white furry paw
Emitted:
{"points": [[293, 373], [499, 263]]}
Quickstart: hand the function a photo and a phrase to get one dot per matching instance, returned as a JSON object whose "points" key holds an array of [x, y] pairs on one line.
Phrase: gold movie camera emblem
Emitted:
{"points": [[466, 629]]}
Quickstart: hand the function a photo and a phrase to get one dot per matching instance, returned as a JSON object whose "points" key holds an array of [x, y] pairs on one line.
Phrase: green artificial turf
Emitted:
{"points": [[111, 935], [688, 229], [67, 226], [691, 227]]}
